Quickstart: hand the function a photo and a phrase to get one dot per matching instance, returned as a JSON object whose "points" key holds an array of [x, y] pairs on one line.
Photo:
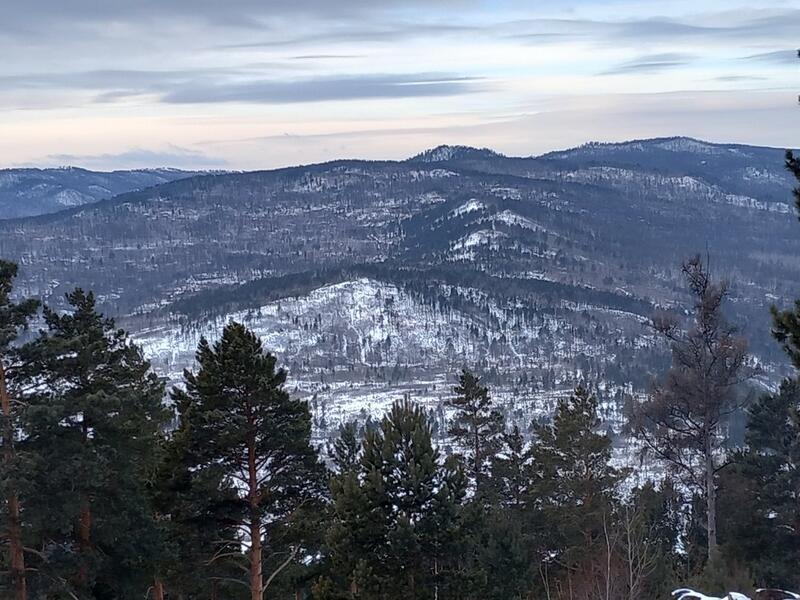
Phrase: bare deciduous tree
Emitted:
{"points": [[684, 422]]}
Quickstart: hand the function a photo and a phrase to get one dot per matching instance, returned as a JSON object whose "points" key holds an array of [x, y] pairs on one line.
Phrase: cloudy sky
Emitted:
{"points": [[246, 84]]}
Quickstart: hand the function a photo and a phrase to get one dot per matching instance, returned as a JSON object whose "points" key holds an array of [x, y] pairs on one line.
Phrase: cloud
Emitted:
{"points": [[736, 78], [139, 158], [650, 63], [745, 27], [235, 85], [326, 89], [778, 57]]}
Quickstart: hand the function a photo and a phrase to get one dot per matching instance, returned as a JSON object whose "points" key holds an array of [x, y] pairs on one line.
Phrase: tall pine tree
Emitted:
{"points": [[94, 423], [246, 424], [477, 426], [14, 317]]}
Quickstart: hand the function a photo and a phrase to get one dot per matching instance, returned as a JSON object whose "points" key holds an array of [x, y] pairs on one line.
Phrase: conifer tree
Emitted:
{"points": [[683, 422], [13, 318], [394, 517], [93, 425], [477, 427], [576, 484], [247, 425], [761, 509], [786, 323], [195, 510]]}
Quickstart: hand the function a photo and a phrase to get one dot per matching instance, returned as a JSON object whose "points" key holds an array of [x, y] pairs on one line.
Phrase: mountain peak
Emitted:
{"points": [[446, 153]]}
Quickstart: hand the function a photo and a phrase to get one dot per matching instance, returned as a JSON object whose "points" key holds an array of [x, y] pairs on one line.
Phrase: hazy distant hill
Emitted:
{"points": [[29, 192]]}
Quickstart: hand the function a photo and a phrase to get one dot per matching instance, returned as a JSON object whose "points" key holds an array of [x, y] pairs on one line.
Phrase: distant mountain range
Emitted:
{"points": [[373, 279], [30, 192]]}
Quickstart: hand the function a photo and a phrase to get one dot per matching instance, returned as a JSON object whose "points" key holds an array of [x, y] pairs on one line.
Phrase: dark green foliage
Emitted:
{"points": [[793, 166], [247, 434], [346, 450], [759, 500], [477, 427], [394, 517], [576, 486], [93, 425], [786, 323], [13, 318]]}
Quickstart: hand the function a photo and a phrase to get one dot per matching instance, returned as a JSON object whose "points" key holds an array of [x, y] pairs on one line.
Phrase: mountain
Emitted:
{"points": [[30, 192], [373, 280], [446, 153]]}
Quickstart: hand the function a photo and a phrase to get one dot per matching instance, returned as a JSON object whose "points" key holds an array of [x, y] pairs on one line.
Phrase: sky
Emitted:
{"points": [[255, 84]]}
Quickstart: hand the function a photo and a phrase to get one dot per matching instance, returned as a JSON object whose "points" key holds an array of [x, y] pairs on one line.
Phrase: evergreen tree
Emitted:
{"points": [[346, 450], [577, 488], [394, 518], [683, 422], [13, 318], [477, 427], [196, 513], [761, 508], [786, 323], [246, 425], [513, 472], [93, 424], [500, 539]]}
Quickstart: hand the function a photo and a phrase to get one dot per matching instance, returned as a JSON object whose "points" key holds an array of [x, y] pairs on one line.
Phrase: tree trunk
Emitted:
{"points": [[158, 589], [84, 541], [16, 558], [256, 577], [711, 501]]}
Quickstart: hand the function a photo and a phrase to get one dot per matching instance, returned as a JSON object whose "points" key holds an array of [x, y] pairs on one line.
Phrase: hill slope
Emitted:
{"points": [[30, 192]]}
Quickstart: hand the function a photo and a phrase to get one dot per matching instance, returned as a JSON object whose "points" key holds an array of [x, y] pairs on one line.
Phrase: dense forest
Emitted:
{"points": [[109, 492]]}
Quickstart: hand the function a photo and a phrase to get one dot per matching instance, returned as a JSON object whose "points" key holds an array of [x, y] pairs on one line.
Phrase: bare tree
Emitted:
{"points": [[684, 421]]}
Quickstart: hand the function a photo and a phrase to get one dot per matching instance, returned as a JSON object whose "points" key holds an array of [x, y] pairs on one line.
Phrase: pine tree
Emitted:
{"points": [[761, 508], [683, 422], [394, 518], [513, 472], [13, 318], [477, 427], [246, 424], [346, 450], [195, 510], [576, 486], [786, 323], [93, 423]]}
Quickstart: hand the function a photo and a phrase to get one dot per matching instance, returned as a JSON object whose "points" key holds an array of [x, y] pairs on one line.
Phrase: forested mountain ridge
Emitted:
{"points": [[28, 192], [538, 271]]}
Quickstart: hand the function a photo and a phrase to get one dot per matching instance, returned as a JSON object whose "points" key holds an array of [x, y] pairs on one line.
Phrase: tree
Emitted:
{"points": [[93, 425], [13, 318], [247, 425], [761, 508], [394, 517], [684, 420], [477, 427], [577, 488], [196, 513], [786, 323]]}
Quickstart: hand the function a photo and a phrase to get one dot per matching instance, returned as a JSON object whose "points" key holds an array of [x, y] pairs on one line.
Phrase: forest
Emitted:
{"points": [[109, 492]]}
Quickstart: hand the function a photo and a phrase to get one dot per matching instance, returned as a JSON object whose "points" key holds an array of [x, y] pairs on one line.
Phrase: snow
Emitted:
{"points": [[466, 208]]}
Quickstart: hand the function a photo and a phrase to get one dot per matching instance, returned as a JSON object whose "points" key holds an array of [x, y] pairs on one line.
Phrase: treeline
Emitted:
{"points": [[110, 493]]}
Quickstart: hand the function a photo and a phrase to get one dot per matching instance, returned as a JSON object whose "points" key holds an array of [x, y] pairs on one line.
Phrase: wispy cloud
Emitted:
{"points": [[778, 57], [650, 63], [327, 89]]}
